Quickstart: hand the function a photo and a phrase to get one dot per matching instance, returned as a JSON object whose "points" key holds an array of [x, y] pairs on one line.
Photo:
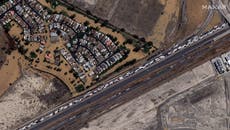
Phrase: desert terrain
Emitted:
{"points": [[156, 21], [28, 97], [3, 46], [204, 107], [145, 18], [161, 21], [141, 113], [8, 63], [138, 18]]}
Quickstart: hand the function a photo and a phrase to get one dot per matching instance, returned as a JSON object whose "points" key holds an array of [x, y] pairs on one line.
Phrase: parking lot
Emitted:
{"points": [[222, 63]]}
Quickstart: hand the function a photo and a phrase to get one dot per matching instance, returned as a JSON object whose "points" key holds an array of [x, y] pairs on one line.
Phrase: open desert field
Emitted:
{"points": [[216, 20], [161, 21], [10, 69], [196, 15], [141, 113], [166, 23], [193, 19], [10, 72], [27, 97], [3, 46], [204, 107], [139, 18]]}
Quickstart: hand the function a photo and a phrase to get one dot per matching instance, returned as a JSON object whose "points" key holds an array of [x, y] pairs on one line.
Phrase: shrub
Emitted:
{"points": [[80, 88]]}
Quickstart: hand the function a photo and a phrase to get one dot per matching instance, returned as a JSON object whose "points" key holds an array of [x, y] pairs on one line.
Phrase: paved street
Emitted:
{"points": [[134, 85]]}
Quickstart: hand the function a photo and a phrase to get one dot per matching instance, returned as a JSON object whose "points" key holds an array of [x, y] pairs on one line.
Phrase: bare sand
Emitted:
{"points": [[21, 101], [65, 67], [10, 72], [215, 21], [28, 97], [195, 14], [171, 12]]}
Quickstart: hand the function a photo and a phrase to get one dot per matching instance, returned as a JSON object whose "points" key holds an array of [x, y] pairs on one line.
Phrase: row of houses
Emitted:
{"points": [[88, 46], [104, 39], [34, 15], [28, 19], [81, 29], [86, 53], [96, 47], [31, 15], [109, 62], [36, 24], [38, 9], [85, 58], [68, 57], [94, 51], [59, 18], [35, 38], [9, 4], [65, 32]]}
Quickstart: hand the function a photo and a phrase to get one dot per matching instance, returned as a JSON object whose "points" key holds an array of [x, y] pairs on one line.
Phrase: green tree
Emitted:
{"points": [[72, 16], [122, 30], [7, 27], [86, 23], [70, 8], [105, 23], [80, 88], [88, 12], [33, 55], [96, 20]]}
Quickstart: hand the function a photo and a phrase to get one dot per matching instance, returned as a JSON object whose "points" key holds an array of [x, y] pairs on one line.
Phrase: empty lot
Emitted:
{"points": [[136, 16], [140, 113], [28, 97]]}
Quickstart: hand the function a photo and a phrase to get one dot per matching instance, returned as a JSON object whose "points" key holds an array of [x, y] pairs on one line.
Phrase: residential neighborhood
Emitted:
{"points": [[88, 51], [114, 64]]}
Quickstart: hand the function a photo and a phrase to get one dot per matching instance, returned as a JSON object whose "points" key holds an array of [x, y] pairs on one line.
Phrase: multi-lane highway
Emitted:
{"points": [[131, 83]]}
